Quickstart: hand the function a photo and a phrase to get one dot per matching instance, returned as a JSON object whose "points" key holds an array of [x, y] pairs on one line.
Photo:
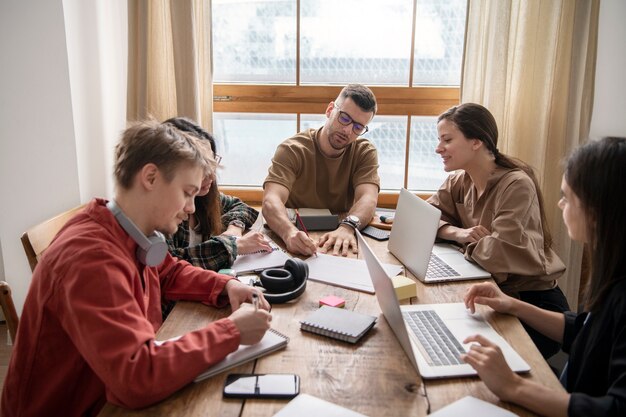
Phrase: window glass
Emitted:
{"points": [[247, 142], [439, 38], [254, 41], [355, 41], [425, 166]]}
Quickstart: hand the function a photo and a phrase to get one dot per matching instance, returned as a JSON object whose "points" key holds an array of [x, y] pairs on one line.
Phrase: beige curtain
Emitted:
{"points": [[169, 60], [532, 63]]}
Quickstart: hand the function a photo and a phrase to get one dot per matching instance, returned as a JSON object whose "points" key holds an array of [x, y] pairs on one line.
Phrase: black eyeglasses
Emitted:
{"points": [[345, 119], [218, 158]]}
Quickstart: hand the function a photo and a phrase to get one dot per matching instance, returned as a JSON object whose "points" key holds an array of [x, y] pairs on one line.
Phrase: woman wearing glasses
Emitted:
{"points": [[493, 207], [213, 236], [594, 211]]}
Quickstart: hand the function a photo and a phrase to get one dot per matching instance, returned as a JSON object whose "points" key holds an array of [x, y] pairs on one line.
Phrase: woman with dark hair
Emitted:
{"points": [[594, 211], [213, 236], [493, 207]]}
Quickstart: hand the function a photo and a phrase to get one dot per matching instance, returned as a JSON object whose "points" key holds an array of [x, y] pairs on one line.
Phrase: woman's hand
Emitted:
{"points": [[489, 294], [253, 242], [487, 359], [471, 235]]}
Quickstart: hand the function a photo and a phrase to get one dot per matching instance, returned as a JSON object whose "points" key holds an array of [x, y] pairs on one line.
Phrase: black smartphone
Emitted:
{"points": [[376, 233], [261, 386]]}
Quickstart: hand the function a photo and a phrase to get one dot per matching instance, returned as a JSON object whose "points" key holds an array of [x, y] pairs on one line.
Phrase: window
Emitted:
{"points": [[278, 63]]}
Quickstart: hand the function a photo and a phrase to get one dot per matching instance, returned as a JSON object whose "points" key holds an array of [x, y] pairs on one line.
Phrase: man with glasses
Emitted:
{"points": [[330, 167]]}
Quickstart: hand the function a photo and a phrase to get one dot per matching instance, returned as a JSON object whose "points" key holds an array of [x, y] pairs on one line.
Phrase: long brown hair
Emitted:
{"points": [[476, 122], [208, 207], [596, 173]]}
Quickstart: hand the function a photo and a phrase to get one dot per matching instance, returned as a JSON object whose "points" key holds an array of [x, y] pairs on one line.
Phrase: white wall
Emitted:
{"points": [[609, 105], [38, 168], [63, 105]]}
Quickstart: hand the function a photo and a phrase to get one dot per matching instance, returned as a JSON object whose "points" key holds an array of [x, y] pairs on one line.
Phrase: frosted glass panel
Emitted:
{"points": [[439, 38], [355, 41], [247, 142], [425, 166], [254, 41]]}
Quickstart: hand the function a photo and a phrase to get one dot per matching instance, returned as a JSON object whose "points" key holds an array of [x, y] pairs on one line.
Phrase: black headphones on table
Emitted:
{"points": [[284, 284], [152, 249]]}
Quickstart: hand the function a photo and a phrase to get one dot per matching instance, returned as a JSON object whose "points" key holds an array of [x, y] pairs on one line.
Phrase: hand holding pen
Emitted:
{"points": [[312, 246]]}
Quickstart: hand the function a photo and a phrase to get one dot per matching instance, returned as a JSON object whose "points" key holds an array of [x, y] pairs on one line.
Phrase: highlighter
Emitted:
{"points": [[386, 219]]}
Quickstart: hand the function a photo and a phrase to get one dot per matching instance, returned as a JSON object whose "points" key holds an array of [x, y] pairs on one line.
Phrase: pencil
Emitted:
{"points": [[299, 219]]}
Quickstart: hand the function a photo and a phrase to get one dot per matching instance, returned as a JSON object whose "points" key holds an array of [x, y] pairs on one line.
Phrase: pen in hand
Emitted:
{"points": [[299, 219], [255, 301]]}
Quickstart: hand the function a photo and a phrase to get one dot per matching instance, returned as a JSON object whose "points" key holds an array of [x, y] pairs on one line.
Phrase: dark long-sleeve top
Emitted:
{"points": [[596, 370], [214, 252]]}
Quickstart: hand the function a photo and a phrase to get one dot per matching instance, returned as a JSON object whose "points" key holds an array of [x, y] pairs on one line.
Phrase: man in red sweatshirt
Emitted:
{"points": [[87, 331]]}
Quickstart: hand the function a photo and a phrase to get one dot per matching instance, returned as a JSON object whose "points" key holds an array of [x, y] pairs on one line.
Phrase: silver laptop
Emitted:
{"points": [[432, 334], [412, 241]]}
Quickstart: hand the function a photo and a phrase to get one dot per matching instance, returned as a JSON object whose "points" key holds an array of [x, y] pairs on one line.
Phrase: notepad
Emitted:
{"points": [[338, 323], [272, 341], [305, 405], [258, 261]]}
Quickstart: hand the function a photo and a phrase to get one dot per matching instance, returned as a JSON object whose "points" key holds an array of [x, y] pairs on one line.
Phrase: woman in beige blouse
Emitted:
{"points": [[493, 207]]}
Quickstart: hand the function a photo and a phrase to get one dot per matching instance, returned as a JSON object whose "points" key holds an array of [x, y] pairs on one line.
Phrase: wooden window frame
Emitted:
{"points": [[309, 99], [312, 99]]}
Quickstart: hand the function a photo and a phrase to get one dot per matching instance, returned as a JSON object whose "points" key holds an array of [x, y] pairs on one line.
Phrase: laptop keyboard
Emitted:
{"points": [[438, 269], [438, 345]]}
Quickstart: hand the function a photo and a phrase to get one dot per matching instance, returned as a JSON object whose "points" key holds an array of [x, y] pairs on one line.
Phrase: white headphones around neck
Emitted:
{"points": [[152, 249]]}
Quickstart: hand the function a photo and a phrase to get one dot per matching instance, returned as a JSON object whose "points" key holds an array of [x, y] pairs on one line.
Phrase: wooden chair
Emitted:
{"points": [[37, 239], [8, 309]]}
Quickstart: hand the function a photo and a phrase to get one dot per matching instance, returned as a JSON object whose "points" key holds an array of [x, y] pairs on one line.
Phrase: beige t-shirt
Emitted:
{"points": [[317, 181], [514, 252]]}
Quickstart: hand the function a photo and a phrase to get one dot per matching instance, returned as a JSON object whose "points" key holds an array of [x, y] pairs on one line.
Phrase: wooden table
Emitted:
{"points": [[373, 377]]}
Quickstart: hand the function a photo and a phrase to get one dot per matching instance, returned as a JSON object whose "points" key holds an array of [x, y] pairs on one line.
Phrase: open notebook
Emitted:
{"points": [[272, 341], [258, 261]]}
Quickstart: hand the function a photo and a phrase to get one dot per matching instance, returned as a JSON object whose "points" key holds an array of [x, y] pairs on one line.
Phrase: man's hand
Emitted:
{"points": [[239, 293], [299, 242], [252, 324], [339, 241]]}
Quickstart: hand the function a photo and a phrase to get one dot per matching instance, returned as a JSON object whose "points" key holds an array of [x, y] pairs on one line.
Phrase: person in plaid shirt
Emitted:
{"points": [[213, 236]]}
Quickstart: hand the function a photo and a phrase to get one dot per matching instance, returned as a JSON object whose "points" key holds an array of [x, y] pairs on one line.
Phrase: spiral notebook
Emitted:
{"points": [[338, 323], [272, 341], [258, 261]]}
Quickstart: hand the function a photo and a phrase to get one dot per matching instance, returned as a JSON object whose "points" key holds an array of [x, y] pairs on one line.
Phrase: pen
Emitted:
{"points": [[299, 219], [255, 301]]}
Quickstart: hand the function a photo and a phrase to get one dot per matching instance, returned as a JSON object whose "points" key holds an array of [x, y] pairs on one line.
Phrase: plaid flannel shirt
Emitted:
{"points": [[215, 252]]}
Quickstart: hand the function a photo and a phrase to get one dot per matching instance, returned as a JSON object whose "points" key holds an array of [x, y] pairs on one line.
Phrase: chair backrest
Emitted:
{"points": [[8, 309], [37, 239]]}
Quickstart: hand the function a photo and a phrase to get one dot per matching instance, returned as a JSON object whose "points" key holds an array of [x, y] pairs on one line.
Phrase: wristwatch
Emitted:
{"points": [[238, 223], [352, 221]]}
